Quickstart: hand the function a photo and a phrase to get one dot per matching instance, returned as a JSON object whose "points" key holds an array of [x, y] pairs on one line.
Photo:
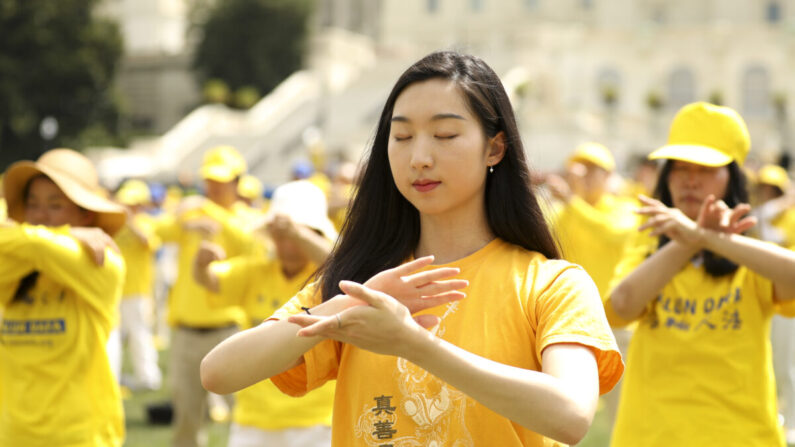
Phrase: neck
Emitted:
{"points": [[223, 202], [291, 269], [454, 235]]}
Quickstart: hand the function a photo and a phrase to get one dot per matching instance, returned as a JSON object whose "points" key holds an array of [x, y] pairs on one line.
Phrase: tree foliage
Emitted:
{"points": [[253, 43], [56, 59]]}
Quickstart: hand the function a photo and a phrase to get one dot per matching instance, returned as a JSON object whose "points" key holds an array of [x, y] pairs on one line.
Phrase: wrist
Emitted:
{"points": [[418, 344]]}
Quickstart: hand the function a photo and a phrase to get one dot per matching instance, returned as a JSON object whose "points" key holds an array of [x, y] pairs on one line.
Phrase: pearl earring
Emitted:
{"points": [[491, 169]]}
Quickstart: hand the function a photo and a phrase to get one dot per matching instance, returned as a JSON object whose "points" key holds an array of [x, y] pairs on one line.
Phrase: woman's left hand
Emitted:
{"points": [[380, 326], [668, 221]]}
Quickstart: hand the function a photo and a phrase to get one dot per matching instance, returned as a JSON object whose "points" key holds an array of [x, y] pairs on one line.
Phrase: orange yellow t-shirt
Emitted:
{"points": [[518, 304]]}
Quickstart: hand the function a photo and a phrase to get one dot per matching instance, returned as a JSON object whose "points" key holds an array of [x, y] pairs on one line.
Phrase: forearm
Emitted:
{"points": [[257, 354], [315, 246], [630, 298], [769, 260], [550, 406]]}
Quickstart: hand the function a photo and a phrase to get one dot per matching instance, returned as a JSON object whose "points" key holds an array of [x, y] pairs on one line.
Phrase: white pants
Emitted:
{"points": [[136, 330], [782, 337], [245, 436]]}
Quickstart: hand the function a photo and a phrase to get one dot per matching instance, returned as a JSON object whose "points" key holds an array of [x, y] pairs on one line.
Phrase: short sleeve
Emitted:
{"points": [[234, 277], [568, 310], [320, 363]]}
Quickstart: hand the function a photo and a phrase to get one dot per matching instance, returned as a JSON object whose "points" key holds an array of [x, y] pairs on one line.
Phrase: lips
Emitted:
{"points": [[425, 185]]}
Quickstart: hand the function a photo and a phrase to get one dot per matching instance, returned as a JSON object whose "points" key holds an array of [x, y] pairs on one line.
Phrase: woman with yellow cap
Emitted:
{"points": [[58, 307], [699, 371]]}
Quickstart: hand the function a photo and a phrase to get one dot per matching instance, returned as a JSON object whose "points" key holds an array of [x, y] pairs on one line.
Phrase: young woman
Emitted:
{"points": [[58, 306], [522, 359], [699, 367]]}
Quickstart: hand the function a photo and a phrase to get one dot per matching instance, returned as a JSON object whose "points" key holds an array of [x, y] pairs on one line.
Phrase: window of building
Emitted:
{"points": [[681, 88], [530, 4], [756, 91], [432, 5], [476, 5], [608, 86], [586, 4], [773, 13]]}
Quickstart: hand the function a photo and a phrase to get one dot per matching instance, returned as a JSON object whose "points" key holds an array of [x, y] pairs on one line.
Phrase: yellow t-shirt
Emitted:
{"points": [[699, 369], [594, 236], [138, 256], [262, 288], [3, 209], [518, 304], [56, 386], [189, 302], [786, 223]]}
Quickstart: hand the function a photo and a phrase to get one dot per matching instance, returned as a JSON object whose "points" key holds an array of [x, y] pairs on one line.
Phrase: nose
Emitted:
{"points": [[422, 154]]}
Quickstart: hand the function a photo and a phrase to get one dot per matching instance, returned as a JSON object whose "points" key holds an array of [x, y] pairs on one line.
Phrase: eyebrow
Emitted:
{"points": [[438, 116]]}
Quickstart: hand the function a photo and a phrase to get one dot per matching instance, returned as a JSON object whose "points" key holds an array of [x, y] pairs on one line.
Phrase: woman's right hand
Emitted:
{"points": [[422, 290], [95, 242]]}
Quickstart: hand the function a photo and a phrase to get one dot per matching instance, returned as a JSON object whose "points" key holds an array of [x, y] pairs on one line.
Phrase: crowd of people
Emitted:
{"points": [[442, 294]]}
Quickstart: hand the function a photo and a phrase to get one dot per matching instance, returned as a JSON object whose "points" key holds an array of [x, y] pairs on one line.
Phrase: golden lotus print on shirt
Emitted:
{"points": [[436, 410]]}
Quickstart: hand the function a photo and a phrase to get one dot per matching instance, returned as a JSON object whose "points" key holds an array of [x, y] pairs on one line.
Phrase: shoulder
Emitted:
{"points": [[536, 268]]}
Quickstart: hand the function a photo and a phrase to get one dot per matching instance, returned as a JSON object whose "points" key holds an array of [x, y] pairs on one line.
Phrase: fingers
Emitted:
{"points": [[663, 228], [646, 200], [654, 222], [369, 296], [427, 321], [438, 287], [704, 209], [409, 267], [323, 326], [422, 278], [744, 225], [437, 300]]}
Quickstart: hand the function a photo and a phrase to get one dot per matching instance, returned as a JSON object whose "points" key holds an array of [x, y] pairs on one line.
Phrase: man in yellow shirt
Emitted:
{"points": [[593, 226], [197, 327], [138, 243], [302, 236]]}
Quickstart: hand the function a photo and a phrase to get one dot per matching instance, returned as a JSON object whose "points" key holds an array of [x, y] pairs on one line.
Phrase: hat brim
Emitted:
{"points": [[607, 166], [221, 174], [692, 153], [110, 216]]}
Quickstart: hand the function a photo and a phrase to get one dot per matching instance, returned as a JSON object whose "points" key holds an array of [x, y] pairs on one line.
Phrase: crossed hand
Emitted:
{"points": [[381, 311], [713, 215]]}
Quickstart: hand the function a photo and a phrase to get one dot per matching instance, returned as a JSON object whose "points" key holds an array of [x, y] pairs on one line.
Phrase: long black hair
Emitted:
{"points": [[382, 229], [736, 193]]}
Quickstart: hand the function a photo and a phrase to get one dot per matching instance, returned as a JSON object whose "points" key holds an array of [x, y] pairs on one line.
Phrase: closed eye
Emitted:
{"points": [[446, 137], [401, 138]]}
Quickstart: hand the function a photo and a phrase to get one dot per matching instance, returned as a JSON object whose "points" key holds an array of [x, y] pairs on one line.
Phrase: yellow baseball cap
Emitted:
{"points": [[222, 164], [133, 192], [595, 153], [250, 187], [707, 135], [774, 175]]}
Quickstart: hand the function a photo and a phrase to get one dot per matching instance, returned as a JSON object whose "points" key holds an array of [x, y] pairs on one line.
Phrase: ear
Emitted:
{"points": [[496, 149]]}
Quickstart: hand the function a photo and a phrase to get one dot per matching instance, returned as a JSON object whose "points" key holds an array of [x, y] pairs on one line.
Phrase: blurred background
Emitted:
{"points": [[145, 86]]}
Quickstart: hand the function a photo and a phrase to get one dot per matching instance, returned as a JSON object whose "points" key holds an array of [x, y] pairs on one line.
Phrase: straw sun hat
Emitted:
{"points": [[75, 175]]}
